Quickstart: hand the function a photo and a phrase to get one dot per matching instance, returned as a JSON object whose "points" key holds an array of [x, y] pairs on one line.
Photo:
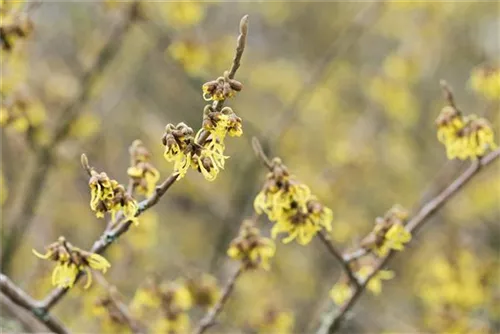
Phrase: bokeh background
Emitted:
{"points": [[345, 93]]}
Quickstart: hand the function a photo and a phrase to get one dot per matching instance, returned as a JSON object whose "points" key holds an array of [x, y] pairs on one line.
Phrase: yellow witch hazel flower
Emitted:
{"points": [[14, 24], [143, 174], [250, 248], [182, 149], [70, 261], [175, 302], [146, 298], [466, 137], [341, 291], [221, 123], [221, 89], [374, 285], [109, 196], [290, 205], [389, 233], [203, 289], [181, 13], [275, 321], [486, 81]]}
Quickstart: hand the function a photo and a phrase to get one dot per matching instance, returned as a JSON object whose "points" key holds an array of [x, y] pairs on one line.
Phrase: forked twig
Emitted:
{"points": [[333, 319]]}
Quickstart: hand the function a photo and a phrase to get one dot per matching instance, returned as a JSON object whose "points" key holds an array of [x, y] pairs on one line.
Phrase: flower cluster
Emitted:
{"points": [[343, 290], [108, 195], [221, 123], [389, 232], [112, 320], [221, 89], [291, 206], [486, 81], [175, 302], [184, 150], [465, 137], [70, 261], [14, 24], [173, 299], [145, 298], [141, 171], [203, 289], [21, 113], [250, 248], [274, 320], [458, 292]]}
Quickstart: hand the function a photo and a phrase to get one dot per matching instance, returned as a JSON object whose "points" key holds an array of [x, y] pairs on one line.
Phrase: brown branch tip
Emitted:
{"points": [[85, 163]]}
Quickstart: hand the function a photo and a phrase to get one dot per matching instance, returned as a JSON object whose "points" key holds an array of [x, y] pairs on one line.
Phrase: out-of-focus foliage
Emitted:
{"points": [[347, 94]]}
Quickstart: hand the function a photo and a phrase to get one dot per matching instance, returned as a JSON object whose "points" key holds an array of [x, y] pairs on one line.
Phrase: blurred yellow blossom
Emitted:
{"points": [[388, 233], [141, 171], [341, 292], [274, 321], [453, 290], [193, 56], [203, 289], [466, 137], [396, 98], [250, 248], [86, 125], [181, 13], [486, 81], [374, 285]]}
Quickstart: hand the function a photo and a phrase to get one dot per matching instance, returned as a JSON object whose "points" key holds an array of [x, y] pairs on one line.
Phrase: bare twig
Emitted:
{"points": [[349, 257], [448, 94], [209, 318], [44, 156], [257, 148], [240, 46], [18, 296], [333, 319], [345, 265]]}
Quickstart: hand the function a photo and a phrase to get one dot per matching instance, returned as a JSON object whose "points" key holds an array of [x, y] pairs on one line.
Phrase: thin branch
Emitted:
{"points": [[44, 156], [345, 265], [240, 46], [448, 94], [132, 323], [358, 253], [18, 296], [259, 151], [8, 309], [105, 57], [209, 318], [333, 319], [108, 237]]}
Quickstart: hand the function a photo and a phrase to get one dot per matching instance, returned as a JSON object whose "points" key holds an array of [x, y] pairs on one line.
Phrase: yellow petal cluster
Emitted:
{"points": [[465, 137], [291, 206], [70, 262], [250, 248]]}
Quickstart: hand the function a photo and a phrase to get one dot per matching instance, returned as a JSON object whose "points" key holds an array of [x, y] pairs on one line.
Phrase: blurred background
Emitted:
{"points": [[345, 93]]}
